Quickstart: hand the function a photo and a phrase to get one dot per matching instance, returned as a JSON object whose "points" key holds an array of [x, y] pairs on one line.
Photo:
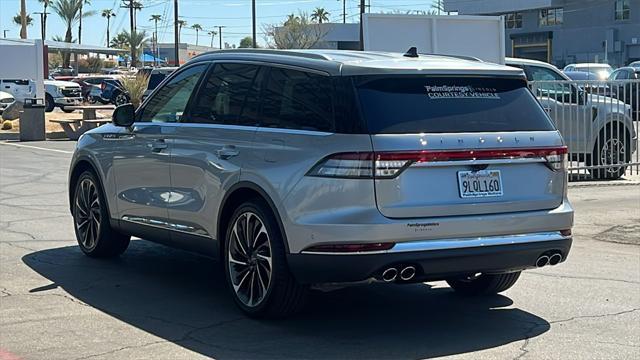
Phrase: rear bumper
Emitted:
{"points": [[434, 260]]}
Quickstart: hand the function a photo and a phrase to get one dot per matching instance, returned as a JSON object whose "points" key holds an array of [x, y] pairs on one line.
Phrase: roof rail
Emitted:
{"points": [[303, 54], [461, 57]]}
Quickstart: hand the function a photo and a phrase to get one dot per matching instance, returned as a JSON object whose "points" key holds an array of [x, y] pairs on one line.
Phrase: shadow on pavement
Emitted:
{"points": [[183, 298]]}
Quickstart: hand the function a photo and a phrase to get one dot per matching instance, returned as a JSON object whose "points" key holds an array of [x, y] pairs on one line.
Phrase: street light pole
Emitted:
{"points": [[220, 35], [42, 15], [176, 35], [253, 9], [361, 25]]}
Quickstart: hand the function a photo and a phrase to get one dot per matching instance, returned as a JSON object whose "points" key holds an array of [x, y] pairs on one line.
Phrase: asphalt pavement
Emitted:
{"points": [[159, 303]]}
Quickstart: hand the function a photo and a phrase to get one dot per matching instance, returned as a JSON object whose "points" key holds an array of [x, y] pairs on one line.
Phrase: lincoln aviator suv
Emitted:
{"points": [[311, 169]]}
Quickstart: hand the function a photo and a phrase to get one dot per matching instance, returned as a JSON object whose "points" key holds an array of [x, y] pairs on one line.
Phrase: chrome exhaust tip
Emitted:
{"points": [[542, 261], [555, 259], [407, 273], [389, 275]]}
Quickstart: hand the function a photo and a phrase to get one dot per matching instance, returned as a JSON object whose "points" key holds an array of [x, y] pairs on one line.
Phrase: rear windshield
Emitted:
{"points": [[421, 104]]}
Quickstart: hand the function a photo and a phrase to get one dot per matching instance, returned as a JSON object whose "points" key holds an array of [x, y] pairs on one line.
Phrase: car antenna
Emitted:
{"points": [[412, 52]]}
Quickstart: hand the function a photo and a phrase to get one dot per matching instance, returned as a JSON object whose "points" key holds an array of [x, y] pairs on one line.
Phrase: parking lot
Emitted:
{"points": [[159, 303]]}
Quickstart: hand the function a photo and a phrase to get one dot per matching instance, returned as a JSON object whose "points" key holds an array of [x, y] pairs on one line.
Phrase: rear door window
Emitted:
{"points": [[223, 94], [299, 100], [428, 104]]}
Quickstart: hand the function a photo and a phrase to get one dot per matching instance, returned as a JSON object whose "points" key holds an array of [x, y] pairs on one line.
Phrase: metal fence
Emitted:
{"points": [[599, 121]]}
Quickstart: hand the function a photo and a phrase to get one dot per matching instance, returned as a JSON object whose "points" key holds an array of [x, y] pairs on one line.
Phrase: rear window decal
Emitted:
{"points": [[437, 92]]}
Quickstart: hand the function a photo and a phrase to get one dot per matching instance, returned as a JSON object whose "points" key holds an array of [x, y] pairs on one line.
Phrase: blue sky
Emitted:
{"points": [[234, 14]]}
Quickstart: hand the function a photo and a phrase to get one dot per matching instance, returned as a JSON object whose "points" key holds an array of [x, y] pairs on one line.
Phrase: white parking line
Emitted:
{"points": [[36, 147]]}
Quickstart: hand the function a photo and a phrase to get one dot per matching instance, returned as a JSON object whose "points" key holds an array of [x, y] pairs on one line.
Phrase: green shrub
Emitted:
{"points": [[7, 125]]}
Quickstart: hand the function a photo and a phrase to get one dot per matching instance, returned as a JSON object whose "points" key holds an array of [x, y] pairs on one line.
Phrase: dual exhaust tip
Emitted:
{"points": [[404, 273], [549, 259]]}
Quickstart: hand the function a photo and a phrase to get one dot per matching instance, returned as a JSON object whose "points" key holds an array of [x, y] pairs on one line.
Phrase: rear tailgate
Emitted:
{"points": [[446, 146], [498, 175]]}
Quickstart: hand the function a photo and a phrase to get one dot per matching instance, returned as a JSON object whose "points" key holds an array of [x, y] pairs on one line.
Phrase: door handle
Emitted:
{"points": [[227, 152], [157, 145]]}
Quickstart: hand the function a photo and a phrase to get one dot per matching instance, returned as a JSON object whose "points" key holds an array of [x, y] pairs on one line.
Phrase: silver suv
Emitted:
{"points": [[302, 169]]}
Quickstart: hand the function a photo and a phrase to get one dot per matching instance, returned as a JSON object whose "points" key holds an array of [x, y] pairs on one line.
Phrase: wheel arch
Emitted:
{"points": [[237, 194], [82, 164], [613, 121]]}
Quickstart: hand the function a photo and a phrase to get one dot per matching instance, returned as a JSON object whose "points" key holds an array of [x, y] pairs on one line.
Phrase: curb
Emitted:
{"points": [[14, 136], [580, 184]]}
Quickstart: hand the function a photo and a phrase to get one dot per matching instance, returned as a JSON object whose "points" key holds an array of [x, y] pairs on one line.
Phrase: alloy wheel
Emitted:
{"points": [[250, 259], [612, 153], [121, 99], [87, 214]]}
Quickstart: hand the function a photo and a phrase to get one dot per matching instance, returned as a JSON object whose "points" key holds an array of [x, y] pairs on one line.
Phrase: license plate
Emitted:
{"points": [[477, 184]]}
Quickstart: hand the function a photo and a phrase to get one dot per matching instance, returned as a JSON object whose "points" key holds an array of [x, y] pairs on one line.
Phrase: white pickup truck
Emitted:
{"points": [[58, 93]]}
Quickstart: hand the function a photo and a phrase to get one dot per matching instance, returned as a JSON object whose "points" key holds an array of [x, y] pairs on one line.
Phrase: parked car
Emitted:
{"points": [[113, 92], [20, 89], [300, 168], [602, 71], [91, 87], [592, 83], [6, 99], [155, 78], [635, 64], [627, 91], [61, 94], [598, 129], [57, 93]]}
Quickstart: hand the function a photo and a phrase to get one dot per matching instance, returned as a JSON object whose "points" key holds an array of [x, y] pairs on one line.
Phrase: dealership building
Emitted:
{"points": [[564, 31]]}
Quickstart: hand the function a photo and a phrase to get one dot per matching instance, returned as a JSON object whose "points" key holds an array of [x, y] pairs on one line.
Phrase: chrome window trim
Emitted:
{"points": [[456, 243]]}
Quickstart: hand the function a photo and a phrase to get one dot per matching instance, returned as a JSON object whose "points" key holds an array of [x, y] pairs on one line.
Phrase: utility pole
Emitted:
{"points": [[42, 29], [344, 11], [220, 34], [253, 9], [130, 4], [362, 25], [176, 34]]}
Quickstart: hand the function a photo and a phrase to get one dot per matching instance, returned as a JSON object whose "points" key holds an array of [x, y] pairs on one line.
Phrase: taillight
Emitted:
{"points": [[557, 159], [355, 165], [387, 165]]}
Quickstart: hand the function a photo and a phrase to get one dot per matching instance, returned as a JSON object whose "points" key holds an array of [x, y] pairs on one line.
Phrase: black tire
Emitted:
{"points": [[615, 138], [108, 242], [484, 284], [66, 110], [120, 99], [283, 295], [49, 104]]}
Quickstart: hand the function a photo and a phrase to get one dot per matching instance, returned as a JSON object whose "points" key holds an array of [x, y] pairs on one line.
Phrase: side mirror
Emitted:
{"points": [[124, 115]]}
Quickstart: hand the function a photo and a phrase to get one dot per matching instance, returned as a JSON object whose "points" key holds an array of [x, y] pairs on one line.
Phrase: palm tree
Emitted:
{"points": [[18, 20], [181, 24], [108, 13], [212, 33], [119, 41], [23, 16], [45, 5], [88, 13], [320, 15], [291, 19], [155, 19], [136, 41], [68, 10], [197, 28]]}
